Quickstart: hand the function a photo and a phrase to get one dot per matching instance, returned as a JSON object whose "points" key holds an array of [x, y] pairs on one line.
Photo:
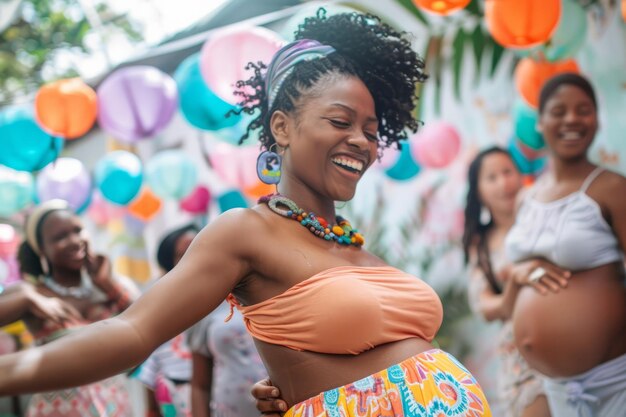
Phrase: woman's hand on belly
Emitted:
{"points": [[540, 274], [267, 398]]}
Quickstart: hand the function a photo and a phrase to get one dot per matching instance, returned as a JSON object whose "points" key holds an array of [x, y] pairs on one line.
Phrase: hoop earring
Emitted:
{"points": [[485, 216], [268, 166]]}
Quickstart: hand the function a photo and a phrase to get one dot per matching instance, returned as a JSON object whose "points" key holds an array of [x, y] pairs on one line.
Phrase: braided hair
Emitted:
{"points": [[366, 48]]}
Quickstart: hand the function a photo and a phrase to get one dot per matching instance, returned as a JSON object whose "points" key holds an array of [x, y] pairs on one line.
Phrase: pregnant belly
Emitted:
{"points": [[569, 332]]}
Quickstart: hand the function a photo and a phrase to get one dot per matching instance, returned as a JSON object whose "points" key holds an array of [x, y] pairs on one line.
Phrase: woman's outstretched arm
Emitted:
{"points": [[213, 265]]}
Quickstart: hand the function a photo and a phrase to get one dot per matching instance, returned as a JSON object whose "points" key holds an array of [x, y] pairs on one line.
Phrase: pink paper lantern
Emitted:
{"points": [[225, 55], [9, 241], [235, 165], [102, 212], [197, 202], [436, 144]]}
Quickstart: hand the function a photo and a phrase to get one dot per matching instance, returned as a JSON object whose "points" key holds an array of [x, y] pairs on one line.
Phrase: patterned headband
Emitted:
{"points": [[35, 217], [285, 60]]}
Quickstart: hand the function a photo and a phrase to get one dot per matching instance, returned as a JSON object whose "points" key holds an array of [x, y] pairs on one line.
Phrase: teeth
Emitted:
{"points": [[350, 163], [572, 135]]}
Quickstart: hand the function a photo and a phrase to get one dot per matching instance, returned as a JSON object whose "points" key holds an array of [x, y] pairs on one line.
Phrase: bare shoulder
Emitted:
{"points": [[237, 229], [609, 190]]}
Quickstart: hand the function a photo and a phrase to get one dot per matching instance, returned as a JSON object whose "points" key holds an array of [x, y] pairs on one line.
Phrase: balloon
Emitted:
{"points": [[66, 108], [442, 7], [16, 190], [9, 241], [525, 119], [25, 146], [226, 53], [102, 212], [66, 179], [436, 144], [525, 166], [171, 174], [200, 106], [231, 199], [530, 76], [136, 102], [118, 176], [389, 158], [197, 202], [405, 167], [522, 24], [146, 206]]}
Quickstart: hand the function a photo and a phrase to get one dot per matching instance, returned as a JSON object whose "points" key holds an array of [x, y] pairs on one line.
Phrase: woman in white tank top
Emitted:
{"points": [[568, 242]]}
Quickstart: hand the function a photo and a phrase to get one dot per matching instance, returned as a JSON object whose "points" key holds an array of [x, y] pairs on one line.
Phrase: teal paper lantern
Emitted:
{"points": [[525, 165], [405, 167], [118, 176], [24, 146], [525, 122], [16, 190], [200, 106], [231, 199], [171, 174]]}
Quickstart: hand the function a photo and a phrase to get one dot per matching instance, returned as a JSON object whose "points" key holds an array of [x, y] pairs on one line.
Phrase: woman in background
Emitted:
{"points": [[494, 182], [65, 287]]}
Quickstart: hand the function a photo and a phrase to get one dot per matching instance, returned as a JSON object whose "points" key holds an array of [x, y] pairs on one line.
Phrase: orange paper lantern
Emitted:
{"points": [[624, 9], [443, 7], [530, 76], [66, 108], [145, 206], [522, 23], [259, 190]]}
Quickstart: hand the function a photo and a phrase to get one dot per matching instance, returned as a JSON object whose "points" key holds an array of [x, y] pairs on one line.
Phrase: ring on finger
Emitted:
{"points": [[536, 274]]}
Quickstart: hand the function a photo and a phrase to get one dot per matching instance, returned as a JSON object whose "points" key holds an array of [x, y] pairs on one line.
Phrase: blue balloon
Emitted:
{"points": [[25, 146], [118, 176], [171, 174], [525, 119], [525, 165], [231, 199], [16, 191], [405, 167], [199, 105]]}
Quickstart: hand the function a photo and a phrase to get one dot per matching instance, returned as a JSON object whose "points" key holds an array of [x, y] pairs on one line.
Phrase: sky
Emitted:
{"points": [[159, 19]]}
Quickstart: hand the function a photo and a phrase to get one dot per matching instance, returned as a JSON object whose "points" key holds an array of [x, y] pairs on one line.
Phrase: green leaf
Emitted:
{"points": [[458, 47], [497, 51], [474, 8], [478, 46], [408, 4]]}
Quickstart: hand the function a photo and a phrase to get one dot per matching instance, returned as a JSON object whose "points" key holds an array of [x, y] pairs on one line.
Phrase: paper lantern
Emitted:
{"points": [[231, 199], [405, 166], [226, 53], [235, 165], [101, 212], [525, 121], [9, 241], [118, 176], [259, 190], [66, 108], [136, 102], [522, 24], [624, 9], [442, 7], [67, 179], [436, 144], [200, 106], [16, 190], [24, 146], [531, 75], [145, 206], [197, 202], [525, 165], [171, 174]]}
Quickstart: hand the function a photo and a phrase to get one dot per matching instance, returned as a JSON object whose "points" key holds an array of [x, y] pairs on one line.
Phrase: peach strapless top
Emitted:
{"points": [[346, 310]]}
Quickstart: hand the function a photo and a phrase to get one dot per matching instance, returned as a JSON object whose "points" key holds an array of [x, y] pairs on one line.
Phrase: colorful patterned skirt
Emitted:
{"points": [[430, 384], [107, 398]]}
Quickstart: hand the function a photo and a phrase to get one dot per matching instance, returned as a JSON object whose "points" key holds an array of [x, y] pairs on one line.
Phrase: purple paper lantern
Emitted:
{"points": [[136, 103], [66, 179]]}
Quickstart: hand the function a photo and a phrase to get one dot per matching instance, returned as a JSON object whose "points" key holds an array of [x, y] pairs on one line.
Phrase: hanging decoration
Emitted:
{"points": [[522, 24], [136, 103], [442, 7], [436, 144], [16, 190], [530, 75], [67, 179], [118, 176], [145, 206], [66, 108], [171, 174], [525, 121]]}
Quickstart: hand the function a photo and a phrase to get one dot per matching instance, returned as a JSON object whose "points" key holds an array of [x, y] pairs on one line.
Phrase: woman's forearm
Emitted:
{"points": [[88, 355]]}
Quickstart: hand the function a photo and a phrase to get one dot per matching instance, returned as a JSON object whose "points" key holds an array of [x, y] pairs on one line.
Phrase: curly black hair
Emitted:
{"points": [[365, 47]]}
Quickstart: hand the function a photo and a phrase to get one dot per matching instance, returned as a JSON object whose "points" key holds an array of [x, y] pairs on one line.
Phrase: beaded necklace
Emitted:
{"points": [[82, 291], [342, 232]]}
